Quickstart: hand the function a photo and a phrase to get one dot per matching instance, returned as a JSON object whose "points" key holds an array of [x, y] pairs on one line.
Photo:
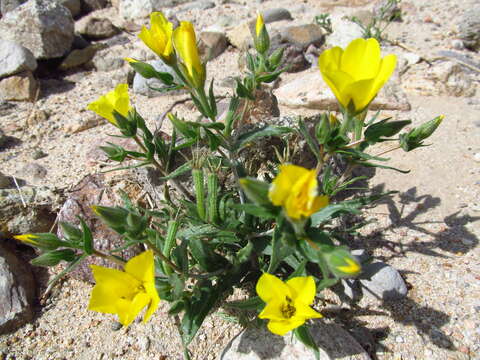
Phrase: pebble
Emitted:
{"points": [[476, 157], [38, 154]]}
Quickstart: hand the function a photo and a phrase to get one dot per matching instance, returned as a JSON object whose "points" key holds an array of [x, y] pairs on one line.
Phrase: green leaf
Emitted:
{"points": [[213, 102], [256, 210], [206, 258], [312, 144], [71, 233], [183, 127], [256, 190], [87, 237], [253, 303], [359, 155], [300, 270], [303, 335], [414, 138], [384, 128], [368, 164], [52, 258], [73, 264], [251, 136], [182, 169], [180, 257]]}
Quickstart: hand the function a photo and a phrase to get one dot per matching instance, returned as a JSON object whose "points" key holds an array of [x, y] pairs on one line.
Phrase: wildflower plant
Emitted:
{"points": [[226, 228]]}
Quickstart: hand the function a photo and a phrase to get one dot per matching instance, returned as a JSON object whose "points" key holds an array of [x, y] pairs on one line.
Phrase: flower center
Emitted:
{"points": [[288, 310]]}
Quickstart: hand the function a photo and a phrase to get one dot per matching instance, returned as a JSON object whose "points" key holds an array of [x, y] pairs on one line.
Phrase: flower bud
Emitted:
{"points": [[45, 241], [342, 263]]}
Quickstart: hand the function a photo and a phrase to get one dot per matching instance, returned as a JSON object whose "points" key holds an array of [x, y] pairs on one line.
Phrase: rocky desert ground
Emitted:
{"points": [[56, 56]]}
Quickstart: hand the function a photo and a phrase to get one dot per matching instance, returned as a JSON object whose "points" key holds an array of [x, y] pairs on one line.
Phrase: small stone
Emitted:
{"points": [[15, 58], [457, 44], [344, 31], [240, 36], [383, 282], [81, 123], [38, 154], [196, 5], [137, 9], [5, 181], [399, 339], [453, 80], [412, 58], [34, 172], [78, 57], [19, 87], [96, 26], [17, 291], [107, 60], [303, 35], [39, 116], [27, 26], [211, 44], [73, 6], [276, 14], [476, 157], [469, 27]]}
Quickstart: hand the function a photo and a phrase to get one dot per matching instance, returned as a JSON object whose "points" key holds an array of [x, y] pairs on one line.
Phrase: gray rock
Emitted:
{"points": [[33, 172], [383, 282], [469, 27], [453, 79], [9, 5], [258, 344], [73, 6], [17, 291], [309, 91], [107, 60], [142, 85], [5, 181], [196, 5], [240, 36], [15, 58], [137, 9], [92, 191], [27, 26], [38, 154], [3, 137], [211, 44], [303, 35], [78, 57], [276, 14], [344, 31], [19, 87], [294, 58], [94, 26], [37, 216], [92, 5]]}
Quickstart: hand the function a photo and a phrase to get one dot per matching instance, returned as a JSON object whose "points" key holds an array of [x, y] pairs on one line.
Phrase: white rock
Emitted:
{"points": [[15, 58], [382, 281], [344, 31], [309, 91], [257, 344], [412, 58], [137, 9], [42, 26]]}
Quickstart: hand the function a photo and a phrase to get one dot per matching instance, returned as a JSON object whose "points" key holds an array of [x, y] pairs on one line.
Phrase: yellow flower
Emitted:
{"points": [[159, 37], [117, 100], [356, 74], [28, 238], [126, 293], [260, 23], [296, 189], [185, 43], [352, 267], [287, 303]]}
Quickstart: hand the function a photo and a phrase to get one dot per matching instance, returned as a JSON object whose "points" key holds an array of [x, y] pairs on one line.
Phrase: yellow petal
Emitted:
{"points": [[329, 60], [302, 196], [352, 268], [338, 81], [386, 68], [158, 38], [102, 300], [120, 99], [303, 289], [139, 302], [27, 238], [154, 300], [185, 43], [117, 283], [282, 184], [319, 203], [104, 108], [305, 312], [284, 326], [141, 267], [361, 59], [270, 288], [123, 310], [360, 92], [259, 24], [272, 310]]}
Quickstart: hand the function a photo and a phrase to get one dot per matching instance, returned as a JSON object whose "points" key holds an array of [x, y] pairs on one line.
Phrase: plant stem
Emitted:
{"points": [[159, 167], [109, 257], [163, 257], [387, 151]]}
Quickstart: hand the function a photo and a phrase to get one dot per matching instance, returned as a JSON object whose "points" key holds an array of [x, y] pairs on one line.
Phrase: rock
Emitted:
{"points": [[311, 55], [3, 138], [92, 191], [9, 5], [5, 181], [382, 281], [211, 44], [452, 79], [457, 44], [33, 172], [27, 26], [94, 26], [38, 154], [15, 58], [257, 344], [240, 36], [108, 60], [142, 85], [411, 58], [78, 57], [276, 14], [19, 87], [37, 215], [17, 291], [135, 9], [344, 31], [196, 5], [83, 122], [74, 6], [364, 16], [469, 27], [294, 58], [79, 42], [303, 35], [309, 91], [92, 5]]}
